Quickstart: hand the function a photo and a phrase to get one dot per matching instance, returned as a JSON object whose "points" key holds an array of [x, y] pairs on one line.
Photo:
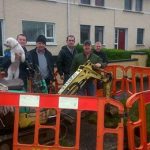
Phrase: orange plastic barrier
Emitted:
{"points": [[118, 78], [125, 79], [135, 78], [137, 130], [58, 102]]}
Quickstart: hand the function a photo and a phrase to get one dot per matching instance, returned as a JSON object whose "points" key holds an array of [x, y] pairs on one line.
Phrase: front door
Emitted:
{"points": [[121, 39]]}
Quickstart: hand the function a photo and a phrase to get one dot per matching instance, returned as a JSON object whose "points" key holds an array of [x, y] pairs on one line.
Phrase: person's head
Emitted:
{"points": [[41, 42], [22, 39], [70, 41], [87, 47], [98, 46]]}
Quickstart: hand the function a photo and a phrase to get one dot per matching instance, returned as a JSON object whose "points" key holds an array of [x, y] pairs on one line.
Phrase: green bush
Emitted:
{"points": [[114, 54]]}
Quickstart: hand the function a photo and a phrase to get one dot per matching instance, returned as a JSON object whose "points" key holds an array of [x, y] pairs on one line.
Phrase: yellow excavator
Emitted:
{"points": [[82, 75]]}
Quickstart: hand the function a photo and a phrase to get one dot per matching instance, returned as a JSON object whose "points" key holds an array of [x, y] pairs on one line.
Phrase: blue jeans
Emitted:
{"points": [[88, 89]]}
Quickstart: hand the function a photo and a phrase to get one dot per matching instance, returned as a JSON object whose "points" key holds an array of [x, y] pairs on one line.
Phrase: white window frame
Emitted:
{"points": [[102, 33], [89, 32], [100, 5], [127, 8], [85, 4], [142, 38], [45, 34], [2, 33], [141, 7]]}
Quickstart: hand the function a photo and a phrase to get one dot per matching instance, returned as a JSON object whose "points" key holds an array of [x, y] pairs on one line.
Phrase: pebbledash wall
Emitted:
{"points": [[67, 16]]}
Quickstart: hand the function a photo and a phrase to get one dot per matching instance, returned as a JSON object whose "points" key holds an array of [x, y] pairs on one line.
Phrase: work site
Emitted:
{"points": [[74, 75]]}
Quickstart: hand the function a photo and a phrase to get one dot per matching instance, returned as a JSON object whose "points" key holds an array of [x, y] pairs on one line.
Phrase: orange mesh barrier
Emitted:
{"points": [[58, 102], [137, 127]]}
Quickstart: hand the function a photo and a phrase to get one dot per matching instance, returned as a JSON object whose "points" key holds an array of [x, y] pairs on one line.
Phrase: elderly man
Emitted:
{"points": [[100, 53]]}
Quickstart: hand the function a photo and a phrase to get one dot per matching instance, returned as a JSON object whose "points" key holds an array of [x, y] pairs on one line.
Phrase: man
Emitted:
{"points": [[100, 53], [21, 38], [89, 88], [65, 58], [42, 58]]}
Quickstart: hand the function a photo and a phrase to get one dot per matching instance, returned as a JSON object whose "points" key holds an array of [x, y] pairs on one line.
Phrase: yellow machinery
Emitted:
{"points": [[80, 77]]}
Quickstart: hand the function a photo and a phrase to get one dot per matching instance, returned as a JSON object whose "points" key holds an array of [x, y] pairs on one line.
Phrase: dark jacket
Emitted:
{"points": [[102, 55], [64, 60], [33, 58], [80, 59]]}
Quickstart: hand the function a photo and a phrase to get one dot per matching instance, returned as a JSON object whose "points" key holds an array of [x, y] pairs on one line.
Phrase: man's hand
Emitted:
{"points": [[98, 65]]}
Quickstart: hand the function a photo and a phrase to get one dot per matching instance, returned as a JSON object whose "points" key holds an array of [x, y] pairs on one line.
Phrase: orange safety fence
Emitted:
{"points": [[118, 85], [129, 79], [118, 82], [137, 127], [59, 103], [137, 79]]}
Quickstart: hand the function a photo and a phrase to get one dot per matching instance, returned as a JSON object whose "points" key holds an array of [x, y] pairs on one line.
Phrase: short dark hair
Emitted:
{"points": [[21, 35], [72, 36], [41, 38]]}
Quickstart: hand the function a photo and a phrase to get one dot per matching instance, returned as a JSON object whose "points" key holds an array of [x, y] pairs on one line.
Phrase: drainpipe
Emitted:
{"points": [[68, 17], [3, 25]]}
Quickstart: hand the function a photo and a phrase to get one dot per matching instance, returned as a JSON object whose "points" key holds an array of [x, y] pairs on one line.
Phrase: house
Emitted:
{"points": [[121, 24]]}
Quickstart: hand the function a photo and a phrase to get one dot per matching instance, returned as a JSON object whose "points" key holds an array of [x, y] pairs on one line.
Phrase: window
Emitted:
{"points": [[33, 29], [1, 47], [84, 33], [99, 32], [85, 2], [139, 5], [128, 5], [140, 35], [99, 2]]}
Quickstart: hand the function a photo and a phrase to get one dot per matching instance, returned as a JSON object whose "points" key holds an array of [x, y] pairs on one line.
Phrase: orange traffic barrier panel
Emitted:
{"points": [[39, 102], [137, 128], [118, 84], [137, 79]]}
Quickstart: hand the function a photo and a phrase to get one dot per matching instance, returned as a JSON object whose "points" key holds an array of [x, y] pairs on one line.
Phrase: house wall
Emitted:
{"points": [[113, 15]]}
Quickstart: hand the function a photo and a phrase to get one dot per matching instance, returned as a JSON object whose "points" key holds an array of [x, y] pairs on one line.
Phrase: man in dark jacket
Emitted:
{"points": [[65, 58], [42, 58], [100, 53]]}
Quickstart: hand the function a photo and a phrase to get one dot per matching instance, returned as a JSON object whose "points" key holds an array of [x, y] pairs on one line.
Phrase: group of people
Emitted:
{"points": [[68, 60]]}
